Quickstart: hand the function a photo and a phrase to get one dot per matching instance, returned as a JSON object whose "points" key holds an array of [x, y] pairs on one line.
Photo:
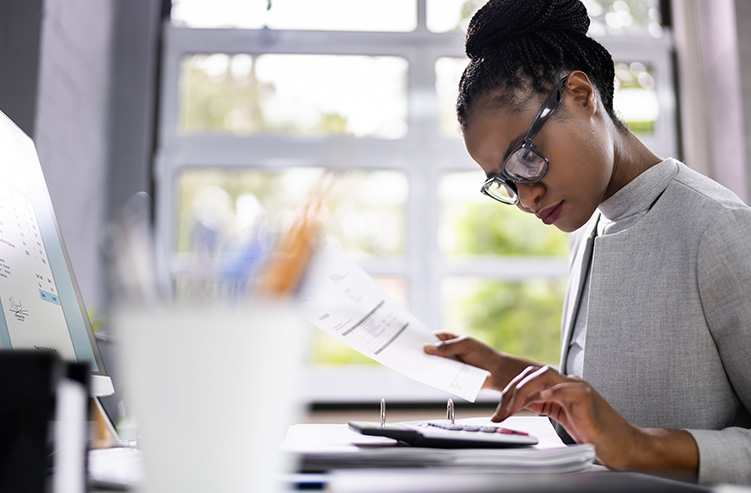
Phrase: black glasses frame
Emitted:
{"points": [[504, 178]]}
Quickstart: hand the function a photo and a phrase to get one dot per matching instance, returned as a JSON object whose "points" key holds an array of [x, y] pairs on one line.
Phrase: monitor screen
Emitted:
{"points": [[40, 304]]}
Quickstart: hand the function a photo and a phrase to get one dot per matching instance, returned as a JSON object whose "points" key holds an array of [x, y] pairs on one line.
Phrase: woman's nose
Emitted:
{"points": [[529, 195]]}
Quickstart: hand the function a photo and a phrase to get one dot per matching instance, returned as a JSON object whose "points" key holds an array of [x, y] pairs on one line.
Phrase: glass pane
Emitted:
{"points": [[641, 17], [473, 224], [521, 318], [635, 99], [221, 210], [618, 17], [294, 94], [448, 71], [451, 15], [333, 15], [330, 351]]}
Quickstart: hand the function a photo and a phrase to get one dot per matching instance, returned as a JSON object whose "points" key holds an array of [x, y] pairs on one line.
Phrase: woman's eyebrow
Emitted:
{"points": [[512, 145], [510, 148]]}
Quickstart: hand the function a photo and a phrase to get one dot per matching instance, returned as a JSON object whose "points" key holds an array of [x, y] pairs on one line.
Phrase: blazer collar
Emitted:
{"points": [[578, 273]]}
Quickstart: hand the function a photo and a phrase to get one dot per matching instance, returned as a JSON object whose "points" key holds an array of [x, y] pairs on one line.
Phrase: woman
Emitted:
{"points": [[657, 319]]}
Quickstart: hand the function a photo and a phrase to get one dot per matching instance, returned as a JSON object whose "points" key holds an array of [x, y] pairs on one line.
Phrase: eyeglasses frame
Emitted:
{"points": [[547, 109]]}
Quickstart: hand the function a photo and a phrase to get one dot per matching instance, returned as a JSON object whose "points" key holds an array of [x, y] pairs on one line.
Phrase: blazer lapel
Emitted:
{"points": [[577, 276]]}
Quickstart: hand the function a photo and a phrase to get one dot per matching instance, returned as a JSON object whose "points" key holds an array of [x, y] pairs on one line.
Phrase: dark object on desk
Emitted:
{"points": [[28, 404], [30, 389], [446, 435]]}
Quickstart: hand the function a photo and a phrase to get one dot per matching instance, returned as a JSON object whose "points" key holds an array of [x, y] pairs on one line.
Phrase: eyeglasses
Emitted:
{"points": [[524, 164]]}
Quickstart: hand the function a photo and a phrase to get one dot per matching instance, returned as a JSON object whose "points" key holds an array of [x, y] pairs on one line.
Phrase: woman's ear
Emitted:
{"points": [[583, 92]]}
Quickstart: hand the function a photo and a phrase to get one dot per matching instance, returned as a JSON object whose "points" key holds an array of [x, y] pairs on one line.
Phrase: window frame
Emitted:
{"points": [[424, 154]]}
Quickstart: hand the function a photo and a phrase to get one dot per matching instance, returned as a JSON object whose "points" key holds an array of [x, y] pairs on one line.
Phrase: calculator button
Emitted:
{"points": [[506, 431], [447, 426]]}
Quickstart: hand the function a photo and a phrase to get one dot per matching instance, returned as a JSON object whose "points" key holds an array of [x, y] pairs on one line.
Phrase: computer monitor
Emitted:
{"points": [[40, 303]]}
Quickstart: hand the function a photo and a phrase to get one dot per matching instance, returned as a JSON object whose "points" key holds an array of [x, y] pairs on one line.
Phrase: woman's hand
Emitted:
{"points": [[588, 418], [502, 367]]}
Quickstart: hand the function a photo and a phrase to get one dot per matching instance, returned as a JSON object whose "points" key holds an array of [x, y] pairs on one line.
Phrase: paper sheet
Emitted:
{"points": [[341, 299]]}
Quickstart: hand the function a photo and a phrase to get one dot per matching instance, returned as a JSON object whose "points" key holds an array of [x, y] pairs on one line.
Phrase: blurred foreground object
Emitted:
{"points": [[213, 389], [42, 423], [287, 266]]}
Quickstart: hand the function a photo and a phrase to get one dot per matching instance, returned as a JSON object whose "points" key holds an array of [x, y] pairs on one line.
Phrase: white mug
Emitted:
{"points": [[213, 390]]}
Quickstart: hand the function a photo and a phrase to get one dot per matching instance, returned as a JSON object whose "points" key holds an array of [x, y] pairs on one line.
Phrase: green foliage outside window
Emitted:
{"points": [[521, 318], [489, 228], [518, 317]]}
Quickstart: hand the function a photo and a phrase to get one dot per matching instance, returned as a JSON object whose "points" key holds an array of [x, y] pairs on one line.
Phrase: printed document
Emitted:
{"points": [[340, 298]]}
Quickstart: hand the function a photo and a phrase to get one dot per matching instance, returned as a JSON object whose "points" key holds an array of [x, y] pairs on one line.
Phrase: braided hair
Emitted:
{"points": [[530, 44]]}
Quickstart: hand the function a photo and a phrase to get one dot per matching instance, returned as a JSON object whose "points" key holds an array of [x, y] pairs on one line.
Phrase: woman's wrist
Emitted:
{"points": [[671, 452]]}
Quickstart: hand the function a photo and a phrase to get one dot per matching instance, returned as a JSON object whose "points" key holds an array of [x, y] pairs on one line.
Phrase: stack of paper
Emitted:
{"points": [[326, 447]]}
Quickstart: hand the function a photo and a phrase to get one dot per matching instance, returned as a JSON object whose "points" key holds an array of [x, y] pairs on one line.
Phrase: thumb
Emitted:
{"points": [[447, 347], [445, 336]]}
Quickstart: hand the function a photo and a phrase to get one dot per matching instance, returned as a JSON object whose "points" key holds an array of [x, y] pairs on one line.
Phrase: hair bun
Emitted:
{"points": [[500, 21]]}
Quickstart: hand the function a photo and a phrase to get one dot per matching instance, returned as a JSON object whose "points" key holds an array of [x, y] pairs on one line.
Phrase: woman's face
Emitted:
{"points": [[576, 142]]}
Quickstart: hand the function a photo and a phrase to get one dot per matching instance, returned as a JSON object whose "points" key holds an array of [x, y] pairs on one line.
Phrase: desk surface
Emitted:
{"points": [[442, 481]]}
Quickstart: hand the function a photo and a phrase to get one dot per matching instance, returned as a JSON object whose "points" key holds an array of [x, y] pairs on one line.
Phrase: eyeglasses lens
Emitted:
{"points": [[502, 191], [525, 164]]}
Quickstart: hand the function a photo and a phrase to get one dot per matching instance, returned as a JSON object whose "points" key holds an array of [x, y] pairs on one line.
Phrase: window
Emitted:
{"points": [[257, 103], [293, 94], [321, 15]]}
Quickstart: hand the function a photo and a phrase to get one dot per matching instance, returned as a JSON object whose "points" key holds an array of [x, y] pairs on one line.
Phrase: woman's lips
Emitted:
{"points": [[551, 214]]}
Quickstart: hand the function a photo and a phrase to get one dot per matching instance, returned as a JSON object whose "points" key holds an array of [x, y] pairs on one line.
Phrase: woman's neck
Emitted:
{"points": [[631, 158]]}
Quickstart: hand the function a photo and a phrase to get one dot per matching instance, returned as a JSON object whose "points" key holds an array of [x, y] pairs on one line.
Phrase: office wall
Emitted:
{"points": [[55, 84], [71, 129], [79, 76], [134, 99], [713, 64], [743, 21], [20, 27]]}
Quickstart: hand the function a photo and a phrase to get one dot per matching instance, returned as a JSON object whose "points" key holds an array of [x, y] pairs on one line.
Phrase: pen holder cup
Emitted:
{"points": [[213, 390]]}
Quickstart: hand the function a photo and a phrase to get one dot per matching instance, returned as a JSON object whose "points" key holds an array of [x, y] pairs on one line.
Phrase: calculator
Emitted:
{"points": [[446, 435]]}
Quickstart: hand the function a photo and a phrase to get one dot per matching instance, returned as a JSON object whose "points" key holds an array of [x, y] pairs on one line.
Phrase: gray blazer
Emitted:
{"points": [[668, 339]]}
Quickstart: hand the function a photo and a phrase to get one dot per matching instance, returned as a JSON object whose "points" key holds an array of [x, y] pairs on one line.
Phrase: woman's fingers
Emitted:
{"points": [[445, 336], [509, 393], [568, 400], [577, 406], [524, 388], [468, 350], [567, 403], [449, 345]]}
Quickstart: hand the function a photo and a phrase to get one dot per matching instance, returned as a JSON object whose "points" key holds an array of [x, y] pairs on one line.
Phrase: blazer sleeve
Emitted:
{"points": [[724, 283]]}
